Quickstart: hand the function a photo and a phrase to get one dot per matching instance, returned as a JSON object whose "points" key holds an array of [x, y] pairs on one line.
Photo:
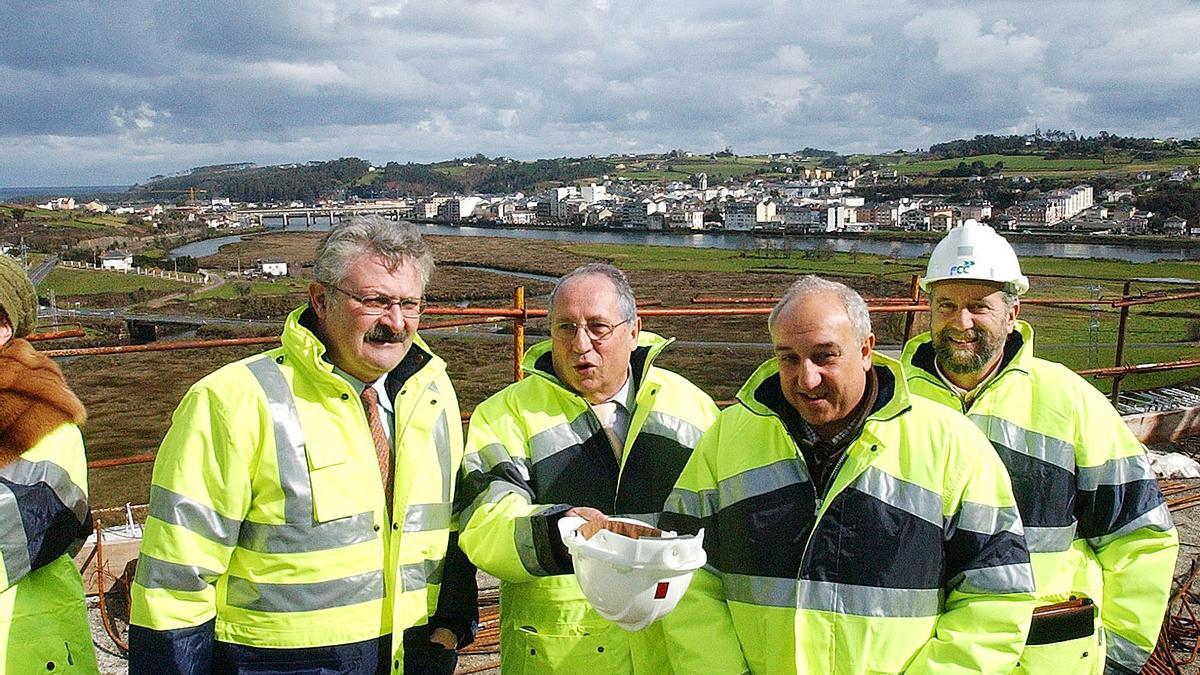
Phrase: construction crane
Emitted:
{"points": [[191, 193]]}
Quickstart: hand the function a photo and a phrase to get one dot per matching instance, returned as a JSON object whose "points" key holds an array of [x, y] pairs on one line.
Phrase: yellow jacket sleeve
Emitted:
{"points": [[502, 530], [699, 632], [199, 495]]}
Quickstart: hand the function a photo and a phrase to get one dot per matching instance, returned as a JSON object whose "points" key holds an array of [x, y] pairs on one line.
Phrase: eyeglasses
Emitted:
{"points": [[378, 304], [597, 331]]}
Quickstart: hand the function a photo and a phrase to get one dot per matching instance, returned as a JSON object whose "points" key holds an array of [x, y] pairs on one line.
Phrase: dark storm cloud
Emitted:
{"points": [[129, 89]]}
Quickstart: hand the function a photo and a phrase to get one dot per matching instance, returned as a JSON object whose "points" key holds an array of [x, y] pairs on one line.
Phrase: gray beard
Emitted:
{"points": [[952, 360]]}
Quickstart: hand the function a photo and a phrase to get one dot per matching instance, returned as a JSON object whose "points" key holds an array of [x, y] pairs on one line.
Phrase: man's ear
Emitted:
{"points": [[637, 329], [1010, 317], [317, 297], [868, 346]]}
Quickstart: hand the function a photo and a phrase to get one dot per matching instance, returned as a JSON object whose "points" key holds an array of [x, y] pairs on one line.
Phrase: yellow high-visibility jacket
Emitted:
{"points": [[44, 519], [534, 450], [267, 508], [913, 561], [1095, 520]]}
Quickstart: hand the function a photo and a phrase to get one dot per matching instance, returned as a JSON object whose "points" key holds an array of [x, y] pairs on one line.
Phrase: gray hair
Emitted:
{"points": [[856, 307], [393, 241], [1008, 294], [626, 301]]}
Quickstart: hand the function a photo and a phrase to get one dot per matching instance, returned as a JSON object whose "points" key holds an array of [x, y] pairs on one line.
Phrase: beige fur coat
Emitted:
{"points": [[34, 399]]}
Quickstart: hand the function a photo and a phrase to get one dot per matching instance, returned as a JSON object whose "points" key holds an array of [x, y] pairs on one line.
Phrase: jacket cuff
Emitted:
{"points": [[545, 527]]}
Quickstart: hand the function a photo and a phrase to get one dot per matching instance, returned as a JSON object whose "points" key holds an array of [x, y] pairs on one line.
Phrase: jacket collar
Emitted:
{"points": [[300, 342], [763, 395], [1018, 352], [539, 361]]}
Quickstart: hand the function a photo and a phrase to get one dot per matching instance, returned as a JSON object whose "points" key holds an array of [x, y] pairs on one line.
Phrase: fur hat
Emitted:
{"points": [[17, 296]]}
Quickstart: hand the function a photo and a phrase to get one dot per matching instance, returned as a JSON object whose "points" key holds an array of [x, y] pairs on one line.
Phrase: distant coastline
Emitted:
{"points": [[7, 193]]}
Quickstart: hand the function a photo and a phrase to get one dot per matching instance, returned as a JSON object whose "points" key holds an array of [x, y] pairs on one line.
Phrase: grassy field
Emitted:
{"points": [[1036, 165], [233, 289], [65, 281], [76, 219], [680, 169], [130, 397]]}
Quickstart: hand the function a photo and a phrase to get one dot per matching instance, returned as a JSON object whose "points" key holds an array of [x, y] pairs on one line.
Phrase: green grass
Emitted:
{"points": [[77, 219], [229, 290], [67, 281], [1036, 165]]}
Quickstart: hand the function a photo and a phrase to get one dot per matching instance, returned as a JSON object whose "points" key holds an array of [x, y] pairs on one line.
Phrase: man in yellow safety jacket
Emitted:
{"points": [[1098, 529], [849, 527], [44, 515], [300, 509], [595, 428]]}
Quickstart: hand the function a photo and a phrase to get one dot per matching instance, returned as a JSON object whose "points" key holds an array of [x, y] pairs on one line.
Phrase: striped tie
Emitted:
{"points": [[383, 449]]}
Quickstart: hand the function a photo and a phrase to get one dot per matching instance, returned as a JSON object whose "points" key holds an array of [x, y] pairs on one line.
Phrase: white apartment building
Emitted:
{"points": [[915, 219], [686, 219], [979, 211], [1072, 200], [456, 209], [745, 216], [634, 212], [593, 193], [1035, 213]]}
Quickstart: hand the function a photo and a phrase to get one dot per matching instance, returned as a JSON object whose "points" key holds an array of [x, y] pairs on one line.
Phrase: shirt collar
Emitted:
{"points": [[621, 398], [358, 385], [967, 396]]}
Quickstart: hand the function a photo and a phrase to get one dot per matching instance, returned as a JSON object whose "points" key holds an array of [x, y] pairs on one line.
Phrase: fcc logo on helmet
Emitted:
{"points": [[962, 268]]}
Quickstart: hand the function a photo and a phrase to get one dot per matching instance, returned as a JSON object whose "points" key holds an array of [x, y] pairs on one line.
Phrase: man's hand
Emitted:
{"points": [[443, 637], [597, 521]]}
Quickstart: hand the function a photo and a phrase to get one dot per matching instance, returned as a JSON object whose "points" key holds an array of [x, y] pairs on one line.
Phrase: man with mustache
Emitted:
{"points": [[594, 428], [300, 509], [850, 527], [1099, 532]]}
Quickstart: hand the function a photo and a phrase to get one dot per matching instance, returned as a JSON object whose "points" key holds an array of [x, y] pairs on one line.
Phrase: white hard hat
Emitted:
{"points": [[974, 252], [632, 582]]}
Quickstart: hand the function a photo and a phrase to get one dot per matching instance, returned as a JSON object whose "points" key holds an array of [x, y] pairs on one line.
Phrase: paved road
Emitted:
{"points": [[42, 269]]}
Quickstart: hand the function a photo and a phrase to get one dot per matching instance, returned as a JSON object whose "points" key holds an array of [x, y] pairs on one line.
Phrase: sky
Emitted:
{"points": [[116, 91]]}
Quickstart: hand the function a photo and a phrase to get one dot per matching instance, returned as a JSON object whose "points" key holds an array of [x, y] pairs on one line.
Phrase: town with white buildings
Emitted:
{"points": [[806, 200]]}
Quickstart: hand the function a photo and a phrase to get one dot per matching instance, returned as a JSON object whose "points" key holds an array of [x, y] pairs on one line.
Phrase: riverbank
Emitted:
{"points": [[895, 245], [1141, 241]]}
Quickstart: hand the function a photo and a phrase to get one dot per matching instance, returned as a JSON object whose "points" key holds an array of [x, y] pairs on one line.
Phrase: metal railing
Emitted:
{"points": [[520, 314]]}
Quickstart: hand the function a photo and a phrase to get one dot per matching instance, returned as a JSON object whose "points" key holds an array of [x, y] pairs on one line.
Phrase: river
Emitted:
{"points": [[903, 249]]}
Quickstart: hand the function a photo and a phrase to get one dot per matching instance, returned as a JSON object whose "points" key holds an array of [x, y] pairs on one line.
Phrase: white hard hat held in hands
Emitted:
{"points": [[633, 577], [974, 252]]}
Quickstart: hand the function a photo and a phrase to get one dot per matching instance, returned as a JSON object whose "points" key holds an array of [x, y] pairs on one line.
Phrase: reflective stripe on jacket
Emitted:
{"points": [[913, 561], [266, 506], [533, 449], [44, 519], [1095, 519]]}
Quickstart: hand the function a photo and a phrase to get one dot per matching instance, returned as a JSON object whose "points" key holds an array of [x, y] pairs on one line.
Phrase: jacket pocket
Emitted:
{"points": [[338, 491], [589, 652]]}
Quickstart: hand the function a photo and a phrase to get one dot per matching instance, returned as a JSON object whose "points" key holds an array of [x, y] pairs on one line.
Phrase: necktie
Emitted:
{"points": [[383, 449], [607, 414]]}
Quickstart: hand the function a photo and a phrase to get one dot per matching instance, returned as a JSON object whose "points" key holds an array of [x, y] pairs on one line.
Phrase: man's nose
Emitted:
{"points": [[808, 376], [581, 343], [392, 318], [961, 319]]}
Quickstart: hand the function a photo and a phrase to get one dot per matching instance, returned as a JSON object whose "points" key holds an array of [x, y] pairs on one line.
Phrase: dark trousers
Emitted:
{"points": [[372, 657]]}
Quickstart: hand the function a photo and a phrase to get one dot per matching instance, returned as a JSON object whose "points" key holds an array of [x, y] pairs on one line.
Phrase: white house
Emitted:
{"points": [[117, 260], [273, 267]]}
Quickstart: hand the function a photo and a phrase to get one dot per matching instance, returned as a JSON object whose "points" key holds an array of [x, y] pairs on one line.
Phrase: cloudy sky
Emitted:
{"points": [[115, 91]]}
